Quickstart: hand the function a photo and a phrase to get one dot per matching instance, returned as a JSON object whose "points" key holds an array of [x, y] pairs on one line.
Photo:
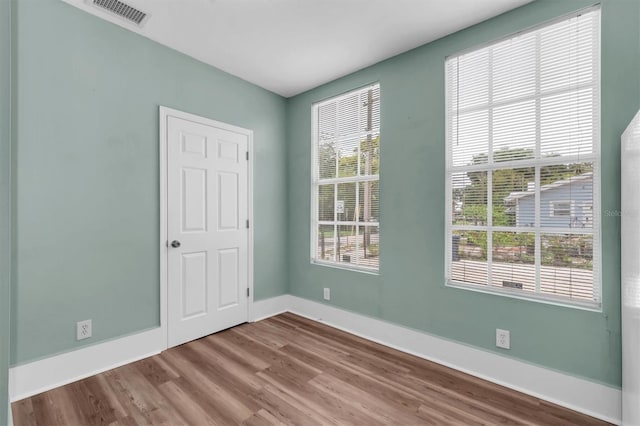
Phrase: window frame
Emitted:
{"points": [[315, 184], [595, 158]]}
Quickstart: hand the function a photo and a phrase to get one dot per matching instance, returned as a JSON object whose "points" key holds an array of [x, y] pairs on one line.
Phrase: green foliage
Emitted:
{"points": [[476, 214], [327, 160], [515, 239], [479, 239], [347, 165], [523, 242], [326, 202], [556, 172], [476, 192], [500, 217], [565, 250], [506, 181]]}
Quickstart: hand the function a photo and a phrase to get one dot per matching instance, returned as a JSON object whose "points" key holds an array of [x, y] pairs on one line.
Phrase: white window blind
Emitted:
{"points": [[345, 188], [523, 163]]}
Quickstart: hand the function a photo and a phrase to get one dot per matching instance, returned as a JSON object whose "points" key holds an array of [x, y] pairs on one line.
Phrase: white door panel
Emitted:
{"points": [[207, 198], [228, 267], [194, 200], [194, 284]]}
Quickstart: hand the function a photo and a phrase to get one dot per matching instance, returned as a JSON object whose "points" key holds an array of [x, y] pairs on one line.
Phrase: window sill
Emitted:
{"points": [[516, 294], [360, 269]]}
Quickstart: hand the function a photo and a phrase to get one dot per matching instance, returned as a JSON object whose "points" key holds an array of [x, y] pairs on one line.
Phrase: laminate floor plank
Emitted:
{"points": [[373, 385], [230, 407], [324, 347], [363, 401], [564, 417], [156, 370], [124, 421], [262, 418], [234, 352], [186, 403], [88, 397], [23, 412], [244, 378], [258, 354], [320, 402], [286, 410], [433, 393], [286, 370], [138, 396], [258, 335]]}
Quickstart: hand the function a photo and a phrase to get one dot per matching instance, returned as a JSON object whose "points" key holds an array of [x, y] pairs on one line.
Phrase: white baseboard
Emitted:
{"points": [[578, 394], [262, 309], [39, 376]]}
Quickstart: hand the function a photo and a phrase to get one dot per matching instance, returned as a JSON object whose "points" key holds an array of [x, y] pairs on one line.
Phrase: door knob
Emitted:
{"points": [[175, 243]]}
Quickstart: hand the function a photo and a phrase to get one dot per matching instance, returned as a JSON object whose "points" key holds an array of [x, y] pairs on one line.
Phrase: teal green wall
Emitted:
{"points": [[5, 201], [410, 288], [87, 173], [85, 189]]}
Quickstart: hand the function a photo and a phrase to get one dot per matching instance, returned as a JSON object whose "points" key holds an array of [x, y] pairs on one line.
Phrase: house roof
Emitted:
{"points": [[557, 184]]}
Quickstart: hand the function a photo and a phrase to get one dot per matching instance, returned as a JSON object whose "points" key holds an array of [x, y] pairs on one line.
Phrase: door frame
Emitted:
{"points": [[164, 114]]}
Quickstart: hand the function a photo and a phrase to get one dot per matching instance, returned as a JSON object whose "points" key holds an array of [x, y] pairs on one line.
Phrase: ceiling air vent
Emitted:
{"points": [[123, 10]]}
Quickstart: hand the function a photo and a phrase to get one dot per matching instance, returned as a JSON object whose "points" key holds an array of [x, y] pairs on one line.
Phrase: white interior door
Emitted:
{"points": [[207, 221]]}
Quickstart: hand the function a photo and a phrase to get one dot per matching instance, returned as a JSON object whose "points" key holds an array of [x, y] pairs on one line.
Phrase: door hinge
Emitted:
{"points": [[247, 155], [247, 291], [247, 223]]}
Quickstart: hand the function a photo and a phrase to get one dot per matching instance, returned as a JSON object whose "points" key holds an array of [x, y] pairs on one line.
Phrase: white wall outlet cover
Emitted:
{"points": [[83, 329], [503, 338], [327, 293]]}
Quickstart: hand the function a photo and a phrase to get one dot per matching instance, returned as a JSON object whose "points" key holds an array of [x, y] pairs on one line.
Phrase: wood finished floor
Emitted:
{"points": [[286, 370]]}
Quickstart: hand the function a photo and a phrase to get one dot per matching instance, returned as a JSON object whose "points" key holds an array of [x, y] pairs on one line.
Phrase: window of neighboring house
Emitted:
{"points": [[560, 208], [345, 191], [523, 130]]}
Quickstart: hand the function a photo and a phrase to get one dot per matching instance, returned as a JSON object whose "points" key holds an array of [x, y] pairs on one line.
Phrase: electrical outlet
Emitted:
{"points": [[503, 339], [83, 329], [327, 293]]}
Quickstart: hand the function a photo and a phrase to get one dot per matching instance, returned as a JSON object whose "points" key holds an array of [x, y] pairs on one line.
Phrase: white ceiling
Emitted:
{"points": [[290, 46]]}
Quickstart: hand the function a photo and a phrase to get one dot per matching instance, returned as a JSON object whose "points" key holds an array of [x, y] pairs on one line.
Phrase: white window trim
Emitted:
{"points": [[595, 306], [315, 185]]}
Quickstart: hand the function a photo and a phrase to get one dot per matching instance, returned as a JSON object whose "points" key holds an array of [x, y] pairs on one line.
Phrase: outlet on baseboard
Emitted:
{"points": [[327, 293], [503, 339], [83, 329]]}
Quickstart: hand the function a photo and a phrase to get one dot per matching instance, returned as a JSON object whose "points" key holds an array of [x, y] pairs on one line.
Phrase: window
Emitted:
{"points": [[345, 189], [523, 164], [560, 208]]}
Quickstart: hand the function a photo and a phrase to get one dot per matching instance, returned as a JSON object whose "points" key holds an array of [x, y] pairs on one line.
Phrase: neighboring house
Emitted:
{"points": [[564, 203]]}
